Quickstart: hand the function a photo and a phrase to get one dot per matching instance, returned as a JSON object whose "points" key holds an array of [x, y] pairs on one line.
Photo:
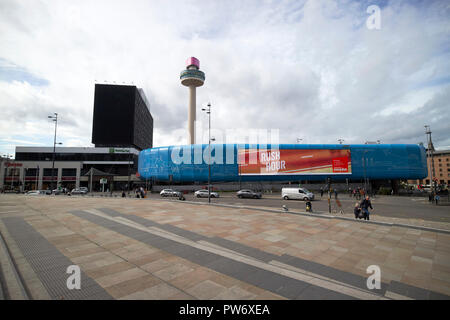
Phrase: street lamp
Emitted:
{"points": [[9, 157], [208, 112], [24, 180], [365, 174], [430, 150], [55, 119]]}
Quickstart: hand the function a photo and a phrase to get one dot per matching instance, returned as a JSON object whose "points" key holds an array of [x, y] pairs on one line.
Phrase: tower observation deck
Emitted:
{"points": [[192, 77]]}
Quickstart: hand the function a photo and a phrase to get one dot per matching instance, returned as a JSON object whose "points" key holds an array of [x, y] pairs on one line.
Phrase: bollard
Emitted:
{"points": [[308, 206]]}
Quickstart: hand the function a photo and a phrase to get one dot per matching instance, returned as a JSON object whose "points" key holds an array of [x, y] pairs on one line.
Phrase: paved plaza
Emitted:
{"points": [[165, 249]]}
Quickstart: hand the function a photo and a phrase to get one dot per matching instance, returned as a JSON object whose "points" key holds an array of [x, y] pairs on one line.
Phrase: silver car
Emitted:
{"points": [[204, 194], [79, 191], [34, 193], [169, 193]]}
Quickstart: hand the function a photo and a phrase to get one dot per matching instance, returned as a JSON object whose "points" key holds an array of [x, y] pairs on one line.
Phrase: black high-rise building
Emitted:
{"points": [[121, 117]]}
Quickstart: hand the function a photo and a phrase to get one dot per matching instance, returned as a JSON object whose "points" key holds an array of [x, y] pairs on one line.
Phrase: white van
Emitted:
{"points": [[297, 193]]}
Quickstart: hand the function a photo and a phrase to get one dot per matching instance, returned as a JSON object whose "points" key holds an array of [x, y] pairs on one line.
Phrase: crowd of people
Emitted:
{"points": [[358, 193]]}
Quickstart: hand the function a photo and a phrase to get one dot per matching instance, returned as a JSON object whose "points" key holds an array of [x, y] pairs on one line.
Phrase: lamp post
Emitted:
{"points": [[208, 111], [54, 119], [365, 175], [24, 180], [430, 156], [129, 172], [9, 157], [36, 181], [239, 167]]}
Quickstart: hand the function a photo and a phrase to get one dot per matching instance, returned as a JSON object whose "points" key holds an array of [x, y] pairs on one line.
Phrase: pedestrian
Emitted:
{"points": [[365, 204], [321, 193], [335, 193]]}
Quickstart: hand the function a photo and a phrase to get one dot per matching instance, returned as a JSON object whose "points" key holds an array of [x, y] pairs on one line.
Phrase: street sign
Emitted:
{"points": [[103, 181]]}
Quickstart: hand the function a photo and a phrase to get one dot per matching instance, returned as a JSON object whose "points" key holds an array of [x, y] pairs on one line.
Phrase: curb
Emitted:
{"points": [[323, 216]]}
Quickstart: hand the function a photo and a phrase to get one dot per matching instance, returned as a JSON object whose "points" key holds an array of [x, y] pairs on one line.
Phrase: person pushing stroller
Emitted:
{"points": [[365, 204]]}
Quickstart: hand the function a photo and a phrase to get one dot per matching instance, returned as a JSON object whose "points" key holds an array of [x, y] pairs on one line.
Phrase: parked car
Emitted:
{"points": [[35, 193], [57, 191], [246, 193], [297, 193], [204, 194], [170, 193], [81, 190]]}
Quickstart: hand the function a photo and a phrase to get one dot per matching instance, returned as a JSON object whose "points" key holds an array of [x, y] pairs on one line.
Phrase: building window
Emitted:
{"points": [[31, 172], [48, 172], [69, 172]]}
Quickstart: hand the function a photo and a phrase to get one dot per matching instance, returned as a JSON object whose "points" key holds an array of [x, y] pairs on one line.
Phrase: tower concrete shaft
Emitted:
{"points": [[192, 114], [192, 77]]}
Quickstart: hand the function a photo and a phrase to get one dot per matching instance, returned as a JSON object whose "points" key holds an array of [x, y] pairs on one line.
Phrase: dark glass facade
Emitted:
{"points": [[121, 117]]}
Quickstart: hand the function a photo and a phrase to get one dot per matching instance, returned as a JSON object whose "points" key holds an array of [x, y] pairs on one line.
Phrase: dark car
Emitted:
{"points": [[246, 193]]}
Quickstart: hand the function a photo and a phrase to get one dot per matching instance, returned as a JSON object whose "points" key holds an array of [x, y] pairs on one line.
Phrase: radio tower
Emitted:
{"points": [[192, 77]]}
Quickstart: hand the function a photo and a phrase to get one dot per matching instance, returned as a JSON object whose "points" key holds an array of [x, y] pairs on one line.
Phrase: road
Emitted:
{"points": [[388, 206]]}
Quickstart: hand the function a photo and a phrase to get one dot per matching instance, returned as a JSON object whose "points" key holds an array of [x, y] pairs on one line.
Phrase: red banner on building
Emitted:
{"points": [[294, 161]]}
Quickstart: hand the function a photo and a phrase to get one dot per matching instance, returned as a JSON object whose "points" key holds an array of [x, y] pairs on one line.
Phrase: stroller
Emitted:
{"points": [[358, 212]]}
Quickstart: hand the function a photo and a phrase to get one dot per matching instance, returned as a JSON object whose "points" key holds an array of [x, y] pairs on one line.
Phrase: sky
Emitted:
{"points": [[310, 70]]}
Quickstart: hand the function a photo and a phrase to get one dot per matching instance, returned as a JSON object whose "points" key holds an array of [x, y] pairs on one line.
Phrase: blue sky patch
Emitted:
{"points": [[11, 72]]}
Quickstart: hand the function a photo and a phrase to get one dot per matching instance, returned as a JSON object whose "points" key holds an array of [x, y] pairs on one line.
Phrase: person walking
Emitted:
{"points": [[365, 205], [321, 193]]}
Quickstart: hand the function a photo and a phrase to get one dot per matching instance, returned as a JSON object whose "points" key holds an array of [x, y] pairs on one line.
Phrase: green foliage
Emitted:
{"points": [[384, 191]]}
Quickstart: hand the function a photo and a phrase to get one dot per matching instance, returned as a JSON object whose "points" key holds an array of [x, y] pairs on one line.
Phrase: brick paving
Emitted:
{"points": [[152, 249]]}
